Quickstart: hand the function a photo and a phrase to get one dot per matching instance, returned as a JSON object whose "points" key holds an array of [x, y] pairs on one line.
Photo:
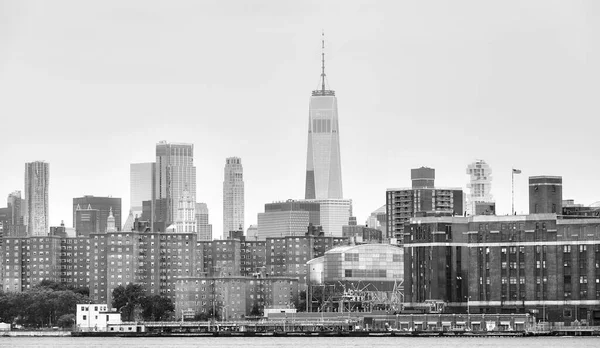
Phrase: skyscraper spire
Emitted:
{"points": [[322, 91]]}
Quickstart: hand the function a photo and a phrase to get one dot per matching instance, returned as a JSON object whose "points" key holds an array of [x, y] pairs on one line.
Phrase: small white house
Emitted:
{"points": [[95, 317]]}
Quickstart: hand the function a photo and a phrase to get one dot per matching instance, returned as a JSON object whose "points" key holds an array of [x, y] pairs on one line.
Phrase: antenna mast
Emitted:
{"points": [[323, 62]]}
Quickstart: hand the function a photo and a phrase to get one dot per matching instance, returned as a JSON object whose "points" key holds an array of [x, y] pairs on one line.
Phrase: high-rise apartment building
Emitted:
{"points": [[422, 199], [422, 177], [480, 185], [323, 163], [37, 176], [103, 204], [141, 185], [174, 172], [233, 195], [204, 229]]}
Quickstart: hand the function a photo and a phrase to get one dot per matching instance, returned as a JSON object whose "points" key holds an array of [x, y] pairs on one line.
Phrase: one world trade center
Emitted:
{"points": [[323, 165]]}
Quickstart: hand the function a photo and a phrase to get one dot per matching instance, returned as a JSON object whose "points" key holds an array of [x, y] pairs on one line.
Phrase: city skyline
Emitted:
{"points": [[440, 94]]}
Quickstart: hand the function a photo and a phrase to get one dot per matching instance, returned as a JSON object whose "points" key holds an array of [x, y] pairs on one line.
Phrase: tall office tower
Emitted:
{"points": [[334, 214], [545, 194], [289, 218], [174, 171], [141, 185], [233, 196], [86, 221], [37, 176], [203, 228], [103, 205], [15, 206], [323, 163], [480, 185]]}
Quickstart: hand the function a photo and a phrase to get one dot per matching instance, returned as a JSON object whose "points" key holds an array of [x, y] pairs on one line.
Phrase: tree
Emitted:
{"points": [[126, 298], [156, 308], [300, 301], [39, 306], [66, 320], [255, 311]]}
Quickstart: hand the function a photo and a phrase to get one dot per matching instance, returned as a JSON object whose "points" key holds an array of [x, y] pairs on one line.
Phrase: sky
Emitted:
{"points": [[92, 86]]}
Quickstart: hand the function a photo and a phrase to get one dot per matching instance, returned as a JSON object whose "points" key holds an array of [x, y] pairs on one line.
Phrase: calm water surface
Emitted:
{"points": [[301, 342]]}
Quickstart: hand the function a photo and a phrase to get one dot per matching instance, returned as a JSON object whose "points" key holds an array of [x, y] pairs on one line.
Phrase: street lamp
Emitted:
{"points": [[468, 304]]}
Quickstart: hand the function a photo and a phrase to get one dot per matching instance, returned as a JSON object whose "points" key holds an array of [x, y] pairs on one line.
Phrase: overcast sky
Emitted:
{"points": [[92, 86]]}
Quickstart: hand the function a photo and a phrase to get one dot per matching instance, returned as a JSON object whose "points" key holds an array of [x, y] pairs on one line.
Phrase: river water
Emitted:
{"points": [[301, 342]]}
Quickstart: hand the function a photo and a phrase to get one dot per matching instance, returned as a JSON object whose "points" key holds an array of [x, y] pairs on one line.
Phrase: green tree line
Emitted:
{"points": [[135, 305], [47, 304]]}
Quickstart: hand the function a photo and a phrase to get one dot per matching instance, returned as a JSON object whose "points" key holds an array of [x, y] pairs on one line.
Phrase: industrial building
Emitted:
{"points": [[506, 264]]}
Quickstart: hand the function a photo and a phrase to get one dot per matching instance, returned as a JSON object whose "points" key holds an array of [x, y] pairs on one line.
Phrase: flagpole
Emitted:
{"points": [[512, 173]]}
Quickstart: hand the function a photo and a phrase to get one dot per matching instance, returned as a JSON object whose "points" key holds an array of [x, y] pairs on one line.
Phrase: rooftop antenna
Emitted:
{"points": [[323, 62], [323, 91]]}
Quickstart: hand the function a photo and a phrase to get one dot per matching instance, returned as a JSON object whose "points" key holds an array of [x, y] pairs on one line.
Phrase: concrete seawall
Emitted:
{"points": [[35, 333]]}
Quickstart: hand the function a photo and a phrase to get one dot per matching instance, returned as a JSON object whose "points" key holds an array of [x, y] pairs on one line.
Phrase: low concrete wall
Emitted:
{"points": [[35, 333]]}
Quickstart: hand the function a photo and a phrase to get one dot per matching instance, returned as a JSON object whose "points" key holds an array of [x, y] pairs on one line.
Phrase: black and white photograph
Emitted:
{"points": [[275, 173]]}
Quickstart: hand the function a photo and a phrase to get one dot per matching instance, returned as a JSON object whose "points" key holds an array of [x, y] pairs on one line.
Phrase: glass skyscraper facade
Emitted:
{"points": [[334, 214], [204, 229], [141, 185], [174, 172]]}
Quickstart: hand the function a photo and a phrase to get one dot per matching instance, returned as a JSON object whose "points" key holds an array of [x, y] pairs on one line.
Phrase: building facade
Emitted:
{"points": [[203, 227], [141, 185], [16, 207], [289, 218], [334, 214], [545, 195], [506, 264], [233, 195], [357, 278], [233, 298], [480, 186], [86, 221], [154, 260], [37, 179], [174, 172], [104, 205], [404, 203], [186, 214]]}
